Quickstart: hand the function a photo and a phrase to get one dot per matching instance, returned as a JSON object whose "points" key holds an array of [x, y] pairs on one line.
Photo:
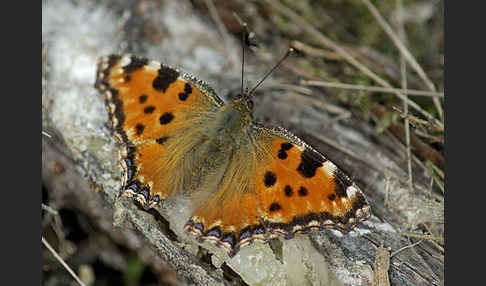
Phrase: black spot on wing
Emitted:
{"points": [[162, 139], [187, 91], [275, 207], [282, 153], [286, 146], [142, 98], [310, 162], [269, 179], [149, 109], [135, 64], [165, 77], [166, 118], [288, 191], [139, 128], [302, 192], [183, 96]]}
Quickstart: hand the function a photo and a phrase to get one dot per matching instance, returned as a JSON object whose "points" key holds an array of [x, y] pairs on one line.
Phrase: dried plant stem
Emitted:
{"points": [[49, 209], [59, 258], [318, 36], [403, 74], [221, 27], [387, 191], [405, 247], [406, 54], [425, 236], [372, 88], [314, 52]]}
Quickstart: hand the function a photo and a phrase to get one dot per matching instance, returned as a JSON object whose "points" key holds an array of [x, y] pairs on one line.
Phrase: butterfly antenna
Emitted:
{"points": [[291, 50]]}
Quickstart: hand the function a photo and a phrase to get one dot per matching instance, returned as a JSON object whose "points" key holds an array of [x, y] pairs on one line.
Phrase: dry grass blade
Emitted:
{"points": [[318, 36], [403, 74], [435, 172], [406, 54], [49, 209], [387, 191], [425, 236], [334, 109], [221, 28], [405, 247], [371, 88], [59, 258], [314, 52]]}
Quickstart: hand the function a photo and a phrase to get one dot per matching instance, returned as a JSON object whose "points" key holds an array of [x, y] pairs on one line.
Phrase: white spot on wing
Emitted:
{"points": [[153, 65], [351, 191], [330, 168], [125, 61]]}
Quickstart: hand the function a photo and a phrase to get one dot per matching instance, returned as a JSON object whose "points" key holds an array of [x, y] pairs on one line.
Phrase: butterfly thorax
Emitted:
{"points": [[230, 127], [225, 137]]}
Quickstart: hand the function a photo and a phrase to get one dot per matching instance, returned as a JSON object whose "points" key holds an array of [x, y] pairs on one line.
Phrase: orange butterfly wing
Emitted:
{"points": [[294, 189], [150, 106]]}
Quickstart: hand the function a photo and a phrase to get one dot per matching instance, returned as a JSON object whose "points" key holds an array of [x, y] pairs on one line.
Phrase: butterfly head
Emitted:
{"points": [[243, 102]]}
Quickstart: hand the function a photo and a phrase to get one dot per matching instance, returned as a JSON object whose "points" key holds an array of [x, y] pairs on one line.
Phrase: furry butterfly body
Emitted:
{"points": [[247, 182]]}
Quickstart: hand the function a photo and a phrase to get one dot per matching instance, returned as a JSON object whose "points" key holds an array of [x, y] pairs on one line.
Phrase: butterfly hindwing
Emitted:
{"points": [[301, 190]]}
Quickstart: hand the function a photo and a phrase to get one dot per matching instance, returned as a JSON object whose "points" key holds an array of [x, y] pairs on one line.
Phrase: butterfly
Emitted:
{"points": [[248, 182]]}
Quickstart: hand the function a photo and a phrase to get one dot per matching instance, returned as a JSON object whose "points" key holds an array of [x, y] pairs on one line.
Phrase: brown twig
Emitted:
{"points": [[372, 88]]}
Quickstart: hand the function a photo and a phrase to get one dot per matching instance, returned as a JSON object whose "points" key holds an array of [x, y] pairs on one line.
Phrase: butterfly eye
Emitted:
{"points": [[249, 104]]}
